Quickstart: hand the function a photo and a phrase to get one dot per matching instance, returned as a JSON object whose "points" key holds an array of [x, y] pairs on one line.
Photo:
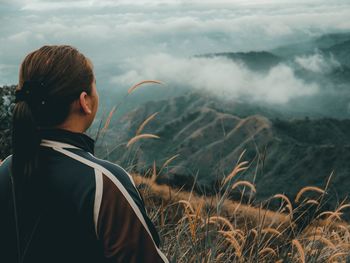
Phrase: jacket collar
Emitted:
{"points": [[80, 140]]}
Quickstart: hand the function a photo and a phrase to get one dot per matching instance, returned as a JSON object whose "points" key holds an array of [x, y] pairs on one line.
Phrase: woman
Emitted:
{"points": [[60, 203]]}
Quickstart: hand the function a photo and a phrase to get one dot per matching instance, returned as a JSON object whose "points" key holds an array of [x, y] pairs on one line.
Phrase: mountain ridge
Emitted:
{"points": [[209, 142]]}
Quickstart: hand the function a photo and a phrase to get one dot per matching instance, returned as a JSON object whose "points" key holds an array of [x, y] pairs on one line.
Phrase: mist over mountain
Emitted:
{"points": [[307, 79], [322, 42], [291, 144], [254, 60]]}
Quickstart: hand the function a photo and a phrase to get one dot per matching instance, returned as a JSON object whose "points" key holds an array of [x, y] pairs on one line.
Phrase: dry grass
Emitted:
{"points": [[306, 189], [142, 126], [137, 85], [207, 229], [140, 136], [108, 120], [214, 228]]}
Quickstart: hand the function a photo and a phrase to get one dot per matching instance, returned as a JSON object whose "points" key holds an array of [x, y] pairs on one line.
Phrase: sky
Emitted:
{"points": [[133, 40]]}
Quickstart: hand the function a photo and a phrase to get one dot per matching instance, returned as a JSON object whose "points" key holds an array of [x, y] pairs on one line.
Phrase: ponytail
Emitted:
{"points": [[25, 144]]}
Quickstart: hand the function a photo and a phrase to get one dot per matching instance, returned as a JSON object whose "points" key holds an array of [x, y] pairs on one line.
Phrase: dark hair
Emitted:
{"points": [[63, 73]]}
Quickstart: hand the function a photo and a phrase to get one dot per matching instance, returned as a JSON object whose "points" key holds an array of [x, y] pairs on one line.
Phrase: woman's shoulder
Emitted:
{"points": [[5, 166], [106, 171], [113, 170], [5, 170]]}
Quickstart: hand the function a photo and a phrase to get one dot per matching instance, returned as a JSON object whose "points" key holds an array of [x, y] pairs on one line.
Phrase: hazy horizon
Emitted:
{"points": [[129, 41]]}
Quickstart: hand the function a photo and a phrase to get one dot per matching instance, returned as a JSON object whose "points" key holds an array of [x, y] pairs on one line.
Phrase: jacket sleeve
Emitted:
{"points": [[122, 225]]}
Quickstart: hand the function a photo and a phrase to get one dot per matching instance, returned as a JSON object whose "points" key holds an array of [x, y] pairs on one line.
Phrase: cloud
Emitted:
{"points": [[66, 4], [317, 63], [111, 31], [220, 76], [55, 5]]}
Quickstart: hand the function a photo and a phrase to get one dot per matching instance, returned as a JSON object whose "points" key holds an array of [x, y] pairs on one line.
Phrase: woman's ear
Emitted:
{"points": [[85, 103]]}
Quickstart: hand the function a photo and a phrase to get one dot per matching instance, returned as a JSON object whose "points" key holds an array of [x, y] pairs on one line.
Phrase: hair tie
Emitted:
{"points": [[32, 91]]}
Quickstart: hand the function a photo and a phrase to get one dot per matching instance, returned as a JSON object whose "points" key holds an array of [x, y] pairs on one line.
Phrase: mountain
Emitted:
{"points": [[254, 60], [209, 136], [340, 51], [306, 47], [322, 62]]}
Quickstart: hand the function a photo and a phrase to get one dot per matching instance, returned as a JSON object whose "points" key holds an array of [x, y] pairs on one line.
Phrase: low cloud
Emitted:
{"points": [[317, 63], [219, 76]]}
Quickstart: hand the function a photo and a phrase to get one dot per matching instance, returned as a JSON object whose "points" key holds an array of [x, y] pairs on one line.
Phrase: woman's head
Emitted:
{"points": [[56, 88], [64, 74]]}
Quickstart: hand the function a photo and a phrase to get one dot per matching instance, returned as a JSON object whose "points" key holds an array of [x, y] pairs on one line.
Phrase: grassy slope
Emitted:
{"points": [[214, 229], [285, 154]]}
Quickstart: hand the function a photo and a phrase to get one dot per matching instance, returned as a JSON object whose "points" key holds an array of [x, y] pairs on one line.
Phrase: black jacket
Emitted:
{"points": [[78, 208]]}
